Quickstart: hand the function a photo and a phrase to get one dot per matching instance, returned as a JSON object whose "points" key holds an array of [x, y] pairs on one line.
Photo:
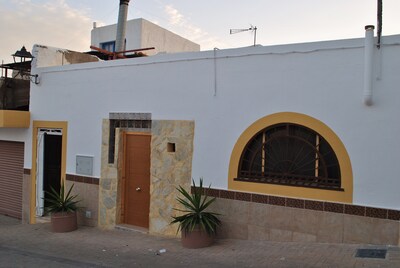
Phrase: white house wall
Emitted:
{"points": [[108, 33], [9, 134], [141, 33], [163, 40], [323, 80]]}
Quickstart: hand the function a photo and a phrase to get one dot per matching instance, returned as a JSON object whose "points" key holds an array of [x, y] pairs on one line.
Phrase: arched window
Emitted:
{"points": [[290, 154]]}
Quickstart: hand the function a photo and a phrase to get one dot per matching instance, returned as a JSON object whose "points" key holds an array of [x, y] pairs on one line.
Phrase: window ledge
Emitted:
{"points": [[320, 187], [14, 119]]}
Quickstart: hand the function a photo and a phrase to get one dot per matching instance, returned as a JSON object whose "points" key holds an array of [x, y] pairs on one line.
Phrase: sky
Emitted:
{"points": [[67, 23]]}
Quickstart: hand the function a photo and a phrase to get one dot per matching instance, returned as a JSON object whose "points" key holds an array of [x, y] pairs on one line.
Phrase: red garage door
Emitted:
{"points": [[11, 176]]}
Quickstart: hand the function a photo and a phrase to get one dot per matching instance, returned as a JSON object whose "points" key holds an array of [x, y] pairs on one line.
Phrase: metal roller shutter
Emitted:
{"points": [[11, 177]]}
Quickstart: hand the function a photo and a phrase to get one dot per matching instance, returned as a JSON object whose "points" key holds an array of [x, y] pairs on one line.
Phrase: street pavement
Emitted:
{"points": [[24, 245]]}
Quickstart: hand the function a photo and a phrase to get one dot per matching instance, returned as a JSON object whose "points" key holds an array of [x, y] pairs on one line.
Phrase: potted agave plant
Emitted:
{"points": [[63, 208], [198, 227]]}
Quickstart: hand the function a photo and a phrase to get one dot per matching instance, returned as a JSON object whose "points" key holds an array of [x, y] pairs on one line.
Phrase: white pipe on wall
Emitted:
{"points": [[368, 64], [215, 71]]}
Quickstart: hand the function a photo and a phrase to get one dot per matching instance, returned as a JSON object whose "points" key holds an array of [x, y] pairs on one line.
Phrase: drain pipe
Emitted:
{"points": [[121, 26], [215, 71], [368, 64]]}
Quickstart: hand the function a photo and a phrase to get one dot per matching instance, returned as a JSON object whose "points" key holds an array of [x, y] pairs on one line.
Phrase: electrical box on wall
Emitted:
{"points": [[84, 165]]}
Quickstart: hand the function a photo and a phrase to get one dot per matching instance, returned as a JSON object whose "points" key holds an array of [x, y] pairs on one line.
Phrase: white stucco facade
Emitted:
{"points": [[224, 92], [141, 33]]}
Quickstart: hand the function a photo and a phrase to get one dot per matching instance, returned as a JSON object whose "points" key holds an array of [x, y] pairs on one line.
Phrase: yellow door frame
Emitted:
{"points": [[63, 125]]}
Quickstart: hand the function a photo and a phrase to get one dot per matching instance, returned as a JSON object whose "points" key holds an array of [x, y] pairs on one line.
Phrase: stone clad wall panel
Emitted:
{"points": [[108, 181], [168, 171]]}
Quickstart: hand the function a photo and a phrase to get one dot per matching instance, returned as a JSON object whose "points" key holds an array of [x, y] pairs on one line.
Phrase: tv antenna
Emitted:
{"points": [[252, 28]]}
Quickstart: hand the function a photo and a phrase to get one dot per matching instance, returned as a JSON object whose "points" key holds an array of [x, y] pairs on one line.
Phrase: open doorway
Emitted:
{"points": [[49, 150]]}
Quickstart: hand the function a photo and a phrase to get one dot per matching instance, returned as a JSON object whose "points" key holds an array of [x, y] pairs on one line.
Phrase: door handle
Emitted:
{"points": [[138, 189]]}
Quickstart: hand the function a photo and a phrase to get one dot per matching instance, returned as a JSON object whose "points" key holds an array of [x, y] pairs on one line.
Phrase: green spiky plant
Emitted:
{"points": [[195, 215], [59, 202]]}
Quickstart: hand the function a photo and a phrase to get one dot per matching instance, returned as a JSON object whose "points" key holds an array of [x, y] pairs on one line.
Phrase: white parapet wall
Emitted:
{"points": [[226, 91]]}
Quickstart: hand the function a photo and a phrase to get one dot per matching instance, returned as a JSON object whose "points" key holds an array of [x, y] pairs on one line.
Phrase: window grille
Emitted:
{"points": [[290, 154], [123, 123]]}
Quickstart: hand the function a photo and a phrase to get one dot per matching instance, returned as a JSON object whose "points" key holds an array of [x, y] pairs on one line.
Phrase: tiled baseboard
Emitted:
{"points": [[83, 179], [73, 177], [349, 209]]}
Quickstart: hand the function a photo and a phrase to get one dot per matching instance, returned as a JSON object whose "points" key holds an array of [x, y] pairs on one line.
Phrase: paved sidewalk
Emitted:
{"points": [[23, 245]]}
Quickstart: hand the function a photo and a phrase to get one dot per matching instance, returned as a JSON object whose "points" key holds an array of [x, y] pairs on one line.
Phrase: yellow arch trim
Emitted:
{"points": [[46, 124], [345, 196]]}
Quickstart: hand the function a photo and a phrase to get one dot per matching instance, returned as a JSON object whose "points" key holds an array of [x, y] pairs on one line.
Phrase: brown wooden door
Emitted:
{"points": [[137, 180]]}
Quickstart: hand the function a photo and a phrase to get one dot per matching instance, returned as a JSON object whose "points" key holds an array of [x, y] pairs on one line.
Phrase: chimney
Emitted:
{"points": [[121, 26]]}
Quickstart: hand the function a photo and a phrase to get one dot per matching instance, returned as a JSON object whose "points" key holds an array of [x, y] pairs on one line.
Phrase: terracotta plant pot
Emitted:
{"points": [[196, 239], [62, 222]]}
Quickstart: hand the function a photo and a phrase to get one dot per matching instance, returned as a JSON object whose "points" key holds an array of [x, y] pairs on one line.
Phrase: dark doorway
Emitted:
{"points": [[52, 163]]}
